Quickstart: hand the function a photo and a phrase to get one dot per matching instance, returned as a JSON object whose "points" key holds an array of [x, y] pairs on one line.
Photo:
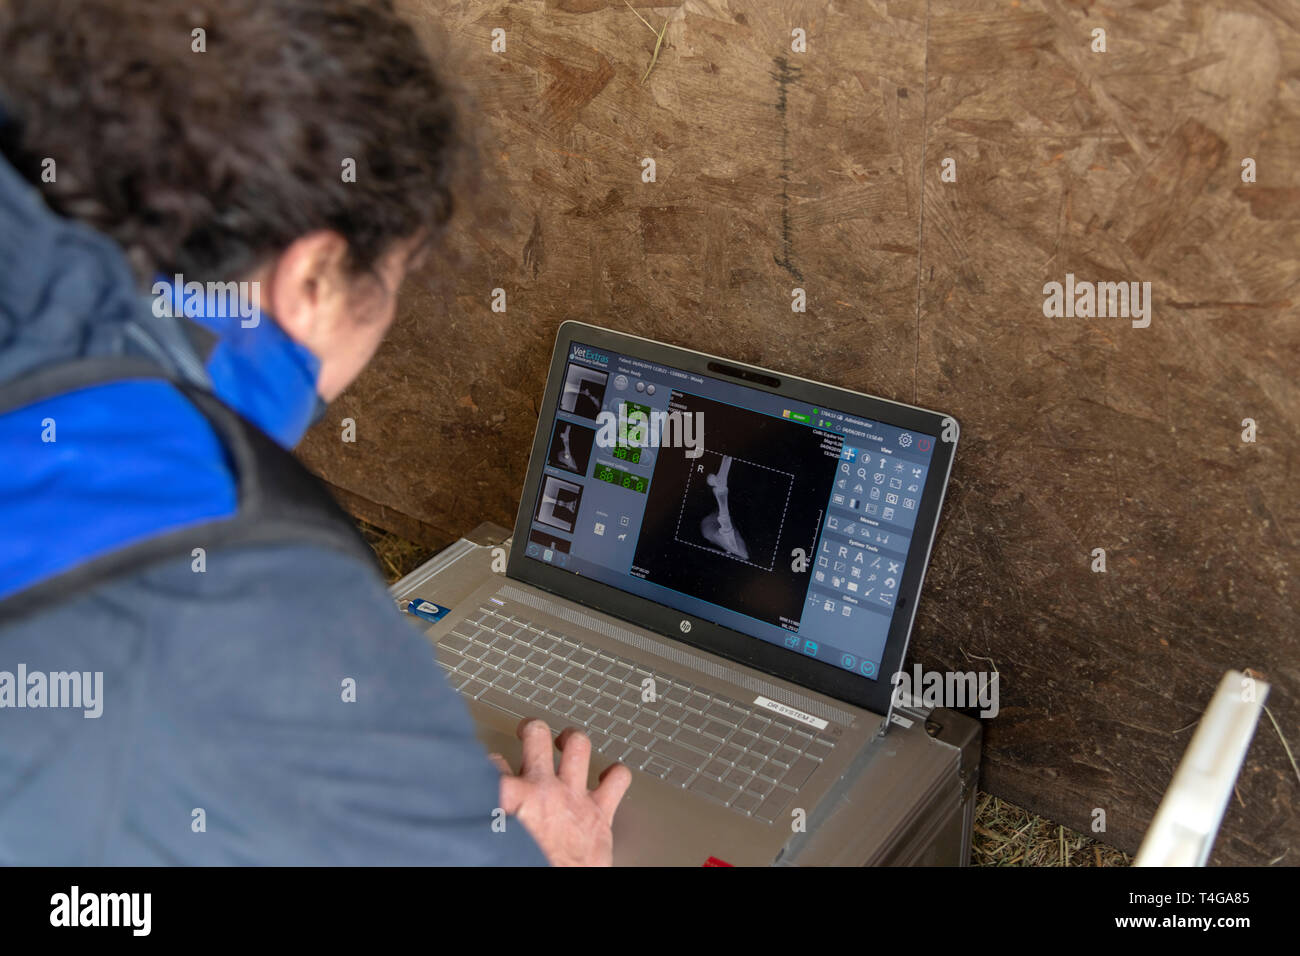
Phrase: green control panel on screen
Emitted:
{"points": [[622, 478], [633, 421]]}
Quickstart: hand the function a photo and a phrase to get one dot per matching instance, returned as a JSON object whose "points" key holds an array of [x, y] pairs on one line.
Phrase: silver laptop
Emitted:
{"points": [[714, 573]]}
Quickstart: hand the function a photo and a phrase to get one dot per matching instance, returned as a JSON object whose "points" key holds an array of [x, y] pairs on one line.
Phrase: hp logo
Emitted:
{"points": [[685, 626]]}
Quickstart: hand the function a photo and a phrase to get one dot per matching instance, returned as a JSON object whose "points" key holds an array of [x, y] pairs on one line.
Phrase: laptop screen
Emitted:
{"points": [[784, 521]]}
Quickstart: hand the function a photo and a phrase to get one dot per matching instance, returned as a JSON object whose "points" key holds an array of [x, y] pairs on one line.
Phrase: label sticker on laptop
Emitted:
{"points": [[798, 715], [423, 609]]}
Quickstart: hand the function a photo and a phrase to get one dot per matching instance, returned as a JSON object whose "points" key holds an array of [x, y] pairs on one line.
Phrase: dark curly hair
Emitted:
{"points": [[211, 163]]}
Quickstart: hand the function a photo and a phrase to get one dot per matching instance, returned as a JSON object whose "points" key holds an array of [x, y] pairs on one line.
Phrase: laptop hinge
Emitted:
{"points": [[900, 716]]}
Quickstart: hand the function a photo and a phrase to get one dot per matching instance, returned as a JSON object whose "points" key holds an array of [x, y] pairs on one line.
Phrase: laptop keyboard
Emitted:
{"points": [[744, 758]]}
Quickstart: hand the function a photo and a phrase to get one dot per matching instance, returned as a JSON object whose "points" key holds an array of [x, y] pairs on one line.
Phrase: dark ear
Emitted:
{"points": [[302, 280]]}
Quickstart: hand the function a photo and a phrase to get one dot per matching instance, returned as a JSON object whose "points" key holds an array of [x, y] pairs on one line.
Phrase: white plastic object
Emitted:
{"points": [[1184, 827]]}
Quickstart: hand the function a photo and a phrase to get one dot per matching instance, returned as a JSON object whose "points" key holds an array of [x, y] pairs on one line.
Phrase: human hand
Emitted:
{"points": [[572, 825]]}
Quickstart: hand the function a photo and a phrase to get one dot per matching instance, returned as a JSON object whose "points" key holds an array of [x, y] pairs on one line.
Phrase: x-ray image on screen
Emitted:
{"points": [[717, 526], [584, 391], [571, 447], [734, 507], [548, 540], [557, 505], [723, 526]]}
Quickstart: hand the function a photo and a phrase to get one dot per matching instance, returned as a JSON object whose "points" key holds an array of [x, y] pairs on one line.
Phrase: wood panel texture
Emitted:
{"points": [[823, 170]]}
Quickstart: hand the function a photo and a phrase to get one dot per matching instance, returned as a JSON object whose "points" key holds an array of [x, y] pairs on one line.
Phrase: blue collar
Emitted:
{"points": [[258, 371]]}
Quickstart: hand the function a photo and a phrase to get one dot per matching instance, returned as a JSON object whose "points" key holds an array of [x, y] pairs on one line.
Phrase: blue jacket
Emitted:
{"points": [[222, 690]]}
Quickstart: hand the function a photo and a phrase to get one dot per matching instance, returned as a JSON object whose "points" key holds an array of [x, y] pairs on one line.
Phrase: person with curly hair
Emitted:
{"points": [[207, 208]]}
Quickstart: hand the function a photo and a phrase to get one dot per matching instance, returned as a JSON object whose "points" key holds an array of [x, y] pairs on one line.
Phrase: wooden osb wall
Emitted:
{"points": [[822, 170]]}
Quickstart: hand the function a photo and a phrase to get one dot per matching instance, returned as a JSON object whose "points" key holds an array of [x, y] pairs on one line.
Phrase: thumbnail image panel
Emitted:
{"points": [[571, 446], [584, 391]]}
